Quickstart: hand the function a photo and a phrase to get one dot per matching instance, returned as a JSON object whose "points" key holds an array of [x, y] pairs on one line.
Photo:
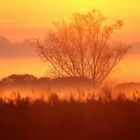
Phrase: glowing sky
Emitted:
{"points": [[31, 18], [20, 19]]}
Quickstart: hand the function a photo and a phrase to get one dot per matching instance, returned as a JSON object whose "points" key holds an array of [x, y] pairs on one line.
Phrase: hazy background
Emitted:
{"points": [[25, 20]]}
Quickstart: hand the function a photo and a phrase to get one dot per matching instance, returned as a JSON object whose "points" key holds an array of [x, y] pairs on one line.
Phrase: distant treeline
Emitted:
{"points": [[27, 79]]}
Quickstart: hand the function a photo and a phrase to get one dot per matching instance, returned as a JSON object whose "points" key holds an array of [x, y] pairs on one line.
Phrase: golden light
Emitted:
{"points": [[32, 18]]}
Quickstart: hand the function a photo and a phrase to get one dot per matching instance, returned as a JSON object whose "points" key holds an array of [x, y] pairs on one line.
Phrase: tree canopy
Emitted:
{"points": [[82, 48]]}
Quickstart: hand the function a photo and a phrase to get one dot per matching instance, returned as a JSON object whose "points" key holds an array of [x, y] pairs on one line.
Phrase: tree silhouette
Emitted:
{"points": [[82, 48], [15, 78]]}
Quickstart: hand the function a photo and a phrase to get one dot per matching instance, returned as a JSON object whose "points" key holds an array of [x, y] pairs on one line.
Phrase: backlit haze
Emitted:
{"points": [[25, 20]]}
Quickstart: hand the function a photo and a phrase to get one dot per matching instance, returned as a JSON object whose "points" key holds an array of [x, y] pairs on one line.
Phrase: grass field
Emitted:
{"points": [[69, 119]]}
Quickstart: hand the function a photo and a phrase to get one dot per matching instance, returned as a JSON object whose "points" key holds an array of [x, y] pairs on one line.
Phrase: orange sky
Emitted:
{"points": [[32, 18], [20, 19]]}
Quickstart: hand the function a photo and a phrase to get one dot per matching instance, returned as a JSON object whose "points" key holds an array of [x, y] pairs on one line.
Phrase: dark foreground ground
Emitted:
{"points": [[23, 119]]}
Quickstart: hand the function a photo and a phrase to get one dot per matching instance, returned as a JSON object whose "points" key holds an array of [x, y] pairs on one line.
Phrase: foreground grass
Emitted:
{"points": [[105, 119]]}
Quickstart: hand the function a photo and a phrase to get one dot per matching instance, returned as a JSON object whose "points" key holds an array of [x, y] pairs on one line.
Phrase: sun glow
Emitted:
{"points": [[32, 19]]}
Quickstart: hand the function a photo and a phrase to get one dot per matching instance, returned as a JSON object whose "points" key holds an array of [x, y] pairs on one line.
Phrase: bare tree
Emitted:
{"points": [[81, 47]]}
